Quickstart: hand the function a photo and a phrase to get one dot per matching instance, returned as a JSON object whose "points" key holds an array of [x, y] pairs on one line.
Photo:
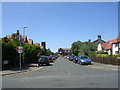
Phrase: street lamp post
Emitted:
{"points": [[23, 39], [24, 30]]}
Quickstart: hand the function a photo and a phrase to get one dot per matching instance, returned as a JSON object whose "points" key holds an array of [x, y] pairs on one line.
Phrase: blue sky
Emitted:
{"points": [[59, 24]]}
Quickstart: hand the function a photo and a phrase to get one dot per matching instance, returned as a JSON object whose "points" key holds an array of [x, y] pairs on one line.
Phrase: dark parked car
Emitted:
{"points": [[53, 57], [84, 60], [43, 60], [50, 59], [75, 60]]}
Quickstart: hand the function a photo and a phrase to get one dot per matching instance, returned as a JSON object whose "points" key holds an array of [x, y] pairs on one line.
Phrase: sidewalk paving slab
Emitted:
{"points": [[104, 66], [26, 68]]}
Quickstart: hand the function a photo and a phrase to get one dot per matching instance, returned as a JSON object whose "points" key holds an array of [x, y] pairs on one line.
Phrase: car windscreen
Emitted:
{"points": [[84, 57], [43, 58], [72, 56]]}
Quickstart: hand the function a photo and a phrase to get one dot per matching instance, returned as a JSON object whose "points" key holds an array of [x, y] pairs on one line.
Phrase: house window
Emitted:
{"points": [[116, 45], [116, 52]]}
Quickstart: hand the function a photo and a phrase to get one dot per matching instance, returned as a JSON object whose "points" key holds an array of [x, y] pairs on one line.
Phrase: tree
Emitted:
{"points": [[76, 47], [9, 52], [83, 48], [31, 53]]}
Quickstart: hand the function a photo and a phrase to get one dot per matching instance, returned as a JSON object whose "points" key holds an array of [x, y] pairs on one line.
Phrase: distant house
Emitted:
{"points": [[9, 36], [105, 47], [38, 44], [64, 51], [30, 41], [112, 46], [99, 40], [116, 46], [24, 39], [41, 47]]}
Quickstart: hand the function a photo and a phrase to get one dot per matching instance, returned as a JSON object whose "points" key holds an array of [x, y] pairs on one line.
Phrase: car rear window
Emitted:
{"points": [[43, 58], [84, 57]]}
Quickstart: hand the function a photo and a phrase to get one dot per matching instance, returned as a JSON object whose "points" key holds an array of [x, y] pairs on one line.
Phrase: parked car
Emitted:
{"points": [[84, 60], [67, 57], [75, 59], [50, 59], [53, 57], [71, 58], [43, 60]]}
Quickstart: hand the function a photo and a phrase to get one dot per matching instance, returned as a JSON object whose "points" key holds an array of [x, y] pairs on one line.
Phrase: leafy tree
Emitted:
{"points": [[48, 52], [56, 53], [30, 53], [10, 53], [76, 47], [83, 48]]}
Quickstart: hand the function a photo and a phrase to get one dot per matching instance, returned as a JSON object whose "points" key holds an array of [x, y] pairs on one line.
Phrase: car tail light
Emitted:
{"points": [[76, 58], [38, 60]]}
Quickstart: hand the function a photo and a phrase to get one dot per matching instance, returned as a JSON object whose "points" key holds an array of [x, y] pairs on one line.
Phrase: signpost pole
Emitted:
{"points": [[20, 50], [20, 60]]}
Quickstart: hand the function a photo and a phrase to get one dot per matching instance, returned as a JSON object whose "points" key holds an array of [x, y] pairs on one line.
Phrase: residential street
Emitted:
{"points": [[64, 74]]}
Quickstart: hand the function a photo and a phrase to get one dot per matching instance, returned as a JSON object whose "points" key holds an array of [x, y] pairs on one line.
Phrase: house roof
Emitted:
{"points": [[118, 38], [108, 44], [9, 36], [30, 41], [24, 36], [37, 44], [41, 47]]}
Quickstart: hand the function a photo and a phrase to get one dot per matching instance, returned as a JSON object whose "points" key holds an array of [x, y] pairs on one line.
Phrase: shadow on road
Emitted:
{"points": [[47, 65]]}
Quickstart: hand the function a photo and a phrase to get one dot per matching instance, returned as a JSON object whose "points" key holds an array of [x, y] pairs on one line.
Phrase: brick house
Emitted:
{"points": [[64, 51], [30, 41]]}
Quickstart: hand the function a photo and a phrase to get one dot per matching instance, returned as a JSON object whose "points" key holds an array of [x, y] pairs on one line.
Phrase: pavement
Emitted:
{"points": [[27, 68], [104, 66]]}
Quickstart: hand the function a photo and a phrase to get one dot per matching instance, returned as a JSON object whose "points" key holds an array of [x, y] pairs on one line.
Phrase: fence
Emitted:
{"points": [[106, 60]]}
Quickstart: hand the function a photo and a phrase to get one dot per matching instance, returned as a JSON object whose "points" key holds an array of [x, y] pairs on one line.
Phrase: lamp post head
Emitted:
{"points": [[25, 26]]}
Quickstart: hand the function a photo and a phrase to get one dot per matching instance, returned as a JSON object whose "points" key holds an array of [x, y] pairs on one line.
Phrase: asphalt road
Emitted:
{"points": [[63, 74]]}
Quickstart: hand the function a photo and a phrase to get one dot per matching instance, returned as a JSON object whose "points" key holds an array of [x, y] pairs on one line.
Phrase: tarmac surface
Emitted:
{"points": [[64, 74], [33, 67]]}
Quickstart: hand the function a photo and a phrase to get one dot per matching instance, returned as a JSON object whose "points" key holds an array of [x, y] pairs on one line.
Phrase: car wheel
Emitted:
{"points": [[73, 61], [80, 63], [39, 65], [48, 64]]}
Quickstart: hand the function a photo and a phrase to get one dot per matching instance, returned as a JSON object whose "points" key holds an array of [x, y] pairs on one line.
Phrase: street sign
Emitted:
{"points": [[5, 61], [20, 49]]}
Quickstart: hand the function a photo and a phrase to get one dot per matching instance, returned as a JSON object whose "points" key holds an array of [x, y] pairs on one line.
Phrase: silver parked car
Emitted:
{"points": [[84, 60]]}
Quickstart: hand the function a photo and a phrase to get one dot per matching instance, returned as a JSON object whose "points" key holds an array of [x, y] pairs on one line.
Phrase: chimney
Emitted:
{"points": [[89, 40], [99, 37], [17, 32]]}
